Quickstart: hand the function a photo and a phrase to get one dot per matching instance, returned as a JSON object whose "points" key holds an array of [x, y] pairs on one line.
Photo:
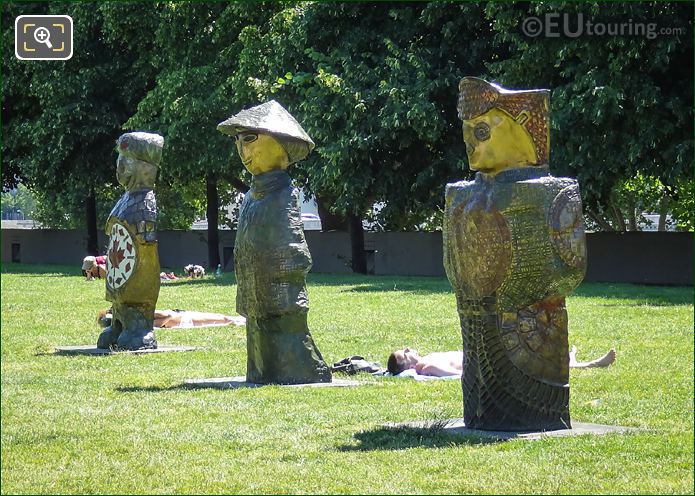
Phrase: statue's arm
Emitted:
{"points": [[566, 226], [146, 219]]}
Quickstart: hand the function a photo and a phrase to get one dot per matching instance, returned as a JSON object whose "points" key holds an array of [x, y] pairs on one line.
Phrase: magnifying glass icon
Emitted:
{"points": [[43, 35]]}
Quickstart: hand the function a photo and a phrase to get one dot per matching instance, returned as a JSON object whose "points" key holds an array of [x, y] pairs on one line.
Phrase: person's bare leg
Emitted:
{"points": [[603, 361], [235, 320]]}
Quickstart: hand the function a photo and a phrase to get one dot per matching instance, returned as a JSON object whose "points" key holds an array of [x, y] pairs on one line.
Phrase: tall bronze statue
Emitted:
{"points": [[271, 257], [514, 247], [132, 267]]}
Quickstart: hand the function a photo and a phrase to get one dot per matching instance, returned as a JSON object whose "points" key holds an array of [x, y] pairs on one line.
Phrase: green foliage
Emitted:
{"points": [[20, 108], [197, 49], [60, 141], [374, 84], [621, 105], [77, 424], [16, 200], [683, 209], [375, 87], [633, 197]]}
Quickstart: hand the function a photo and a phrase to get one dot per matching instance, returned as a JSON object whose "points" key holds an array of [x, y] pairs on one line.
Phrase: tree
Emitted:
{"points": [[621, 105], [197, 46], [19, 106], [62, 146], [375, 86]]}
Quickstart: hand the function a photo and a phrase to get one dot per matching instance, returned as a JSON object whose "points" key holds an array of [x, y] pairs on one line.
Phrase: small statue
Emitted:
{"points": [[271, 257], [514, 247], [132, 272]]}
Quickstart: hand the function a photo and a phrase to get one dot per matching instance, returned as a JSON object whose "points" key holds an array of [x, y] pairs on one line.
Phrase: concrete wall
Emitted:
{"points": [[637, 257], [640, 257]]}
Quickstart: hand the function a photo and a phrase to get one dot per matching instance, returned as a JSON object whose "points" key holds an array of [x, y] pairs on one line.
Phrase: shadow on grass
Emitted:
{"points": [[43, 270], [636, 295], [398, 286], [152, 389], [403, 437], [633, 294], [182, 386], [359, 283], [40, 270], [225, 280]]}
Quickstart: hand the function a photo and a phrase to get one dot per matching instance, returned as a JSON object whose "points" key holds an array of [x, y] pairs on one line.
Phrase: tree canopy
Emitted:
{"points": [[375, 86], [621, 105]]}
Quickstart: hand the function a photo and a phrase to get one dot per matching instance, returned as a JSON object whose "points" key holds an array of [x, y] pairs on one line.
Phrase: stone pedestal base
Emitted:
{"points": [[281, 350], [457, 427], [241, 382], [93, 350]]}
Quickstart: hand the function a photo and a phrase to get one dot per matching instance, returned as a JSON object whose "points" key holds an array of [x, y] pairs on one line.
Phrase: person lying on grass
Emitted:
{"points": [[451, 362], [182, 318], [94, 267]]}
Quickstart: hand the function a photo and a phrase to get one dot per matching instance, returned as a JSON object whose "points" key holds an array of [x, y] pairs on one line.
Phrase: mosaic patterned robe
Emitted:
{"points": [[514, 247], [271, 260], [132, 270]]}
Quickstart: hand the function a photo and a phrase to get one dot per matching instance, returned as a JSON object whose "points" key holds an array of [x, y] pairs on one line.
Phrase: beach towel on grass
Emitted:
{"points": [[411, 373], [187, 322]]}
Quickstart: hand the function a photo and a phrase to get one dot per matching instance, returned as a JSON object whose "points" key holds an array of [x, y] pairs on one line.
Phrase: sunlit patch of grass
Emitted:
{"points": [[123, 424]]}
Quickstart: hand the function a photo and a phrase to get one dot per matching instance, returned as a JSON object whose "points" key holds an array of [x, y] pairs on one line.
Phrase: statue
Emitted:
{"points": [[132, 269], [514, 247], [271, 257]]}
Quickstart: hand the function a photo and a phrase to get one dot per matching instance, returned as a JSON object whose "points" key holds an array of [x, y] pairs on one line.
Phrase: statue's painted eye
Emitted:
{"points": [[482, 131], [246, 137]]}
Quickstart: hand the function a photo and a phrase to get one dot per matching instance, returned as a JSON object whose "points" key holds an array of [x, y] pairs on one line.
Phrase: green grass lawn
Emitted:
{"points": [[123, 424]]}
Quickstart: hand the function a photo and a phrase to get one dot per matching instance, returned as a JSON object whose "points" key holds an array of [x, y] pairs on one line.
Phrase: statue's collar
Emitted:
{"points": [[269, 182], [136, 193], [514, 175]]}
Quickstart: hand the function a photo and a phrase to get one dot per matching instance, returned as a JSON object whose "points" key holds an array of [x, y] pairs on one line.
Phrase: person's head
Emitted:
{"points": [[104, 317], [164, 314], [267, 137], [88, 265], [401, 360], [502, 128]]}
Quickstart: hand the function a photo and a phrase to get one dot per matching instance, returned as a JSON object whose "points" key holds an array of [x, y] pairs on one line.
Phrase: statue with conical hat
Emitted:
{"points": [[132, 263], [514, 248], [271, 257]]}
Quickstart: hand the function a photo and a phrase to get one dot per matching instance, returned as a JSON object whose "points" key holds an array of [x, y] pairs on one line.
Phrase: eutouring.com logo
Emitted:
{"points": [[556, 25]]}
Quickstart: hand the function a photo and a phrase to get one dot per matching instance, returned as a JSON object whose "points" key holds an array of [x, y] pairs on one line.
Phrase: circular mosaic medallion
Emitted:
{"points": [[567, 227], [482, 249], [121, 257]]}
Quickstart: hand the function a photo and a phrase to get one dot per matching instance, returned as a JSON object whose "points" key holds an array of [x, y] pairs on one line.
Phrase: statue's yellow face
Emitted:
{"points": [[495, 141], [261, 153]]}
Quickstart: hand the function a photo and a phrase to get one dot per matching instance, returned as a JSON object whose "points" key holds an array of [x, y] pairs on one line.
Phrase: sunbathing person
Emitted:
{"points": [[451, 362], [182, 319], [94, 267], [189, 318]]}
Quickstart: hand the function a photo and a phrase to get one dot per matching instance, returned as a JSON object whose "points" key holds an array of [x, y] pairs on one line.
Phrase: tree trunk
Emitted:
{"points": [[359, 256], [618, 217], [329, 220], [239, 185], [632, 219], [91, 219], [212, 214], [602, 223], [663, 212]]}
